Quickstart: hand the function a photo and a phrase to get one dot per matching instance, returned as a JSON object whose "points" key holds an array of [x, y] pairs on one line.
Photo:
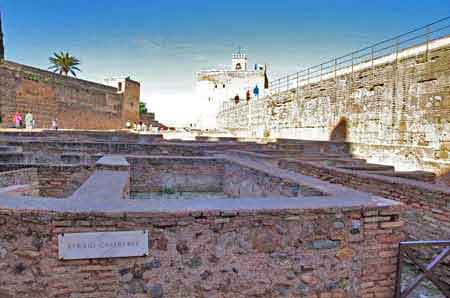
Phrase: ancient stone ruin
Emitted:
{"points": [[114, 213], [225, 218]]}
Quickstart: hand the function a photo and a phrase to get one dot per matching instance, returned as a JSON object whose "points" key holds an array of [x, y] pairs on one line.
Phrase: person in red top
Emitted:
{"points": [[17, 120]]}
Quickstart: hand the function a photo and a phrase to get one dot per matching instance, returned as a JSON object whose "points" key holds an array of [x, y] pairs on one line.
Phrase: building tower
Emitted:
{"points": [[239, 62], [2, 48], [218, 87]]}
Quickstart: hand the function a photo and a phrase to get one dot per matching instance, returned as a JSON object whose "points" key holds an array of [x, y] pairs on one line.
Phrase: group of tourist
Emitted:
{"points": [[140, 126], [248, 95], [29, 123]]}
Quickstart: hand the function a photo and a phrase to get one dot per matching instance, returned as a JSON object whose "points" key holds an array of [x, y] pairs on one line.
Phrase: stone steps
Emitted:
{"points": [[367, 167], [414, 175], [10, 149]]}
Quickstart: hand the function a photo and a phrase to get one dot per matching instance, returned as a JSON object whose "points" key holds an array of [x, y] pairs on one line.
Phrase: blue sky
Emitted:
{"points": [[162, 43]]}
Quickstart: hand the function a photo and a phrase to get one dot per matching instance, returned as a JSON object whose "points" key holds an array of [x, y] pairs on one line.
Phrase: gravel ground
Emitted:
{"points": [[425, 290]]}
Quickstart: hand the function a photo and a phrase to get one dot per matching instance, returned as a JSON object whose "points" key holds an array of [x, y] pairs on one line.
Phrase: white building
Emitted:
{"points": [[214, 87]]}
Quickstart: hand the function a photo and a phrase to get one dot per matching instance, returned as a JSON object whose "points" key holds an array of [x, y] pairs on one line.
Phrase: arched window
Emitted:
{"points": [[238, 66]]}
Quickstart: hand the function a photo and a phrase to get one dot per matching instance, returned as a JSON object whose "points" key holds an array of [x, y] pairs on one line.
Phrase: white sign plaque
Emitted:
{"points": [[98, 245]]}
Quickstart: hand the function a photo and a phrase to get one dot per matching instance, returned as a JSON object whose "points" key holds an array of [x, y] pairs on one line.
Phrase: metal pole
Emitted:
{"points": [[396, 51], [352, 71], [372, 57], [335, 69], [307, 78], [428, 42], [398, 281], [321, 66], [352, 66]]}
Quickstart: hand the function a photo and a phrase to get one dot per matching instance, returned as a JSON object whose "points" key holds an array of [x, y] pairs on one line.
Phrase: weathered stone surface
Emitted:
{"points": [[257, 255], [323, 244], [155, 291], [396, 113], [345, 254]]}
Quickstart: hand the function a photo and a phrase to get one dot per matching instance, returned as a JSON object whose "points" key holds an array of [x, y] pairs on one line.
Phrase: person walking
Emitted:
{"points": [[29, 121], [55, 124], [17, 120], [256, 92]]}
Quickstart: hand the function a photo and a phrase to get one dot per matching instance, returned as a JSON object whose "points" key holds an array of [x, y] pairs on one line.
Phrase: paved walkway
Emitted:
{"points": [[102, 186]]}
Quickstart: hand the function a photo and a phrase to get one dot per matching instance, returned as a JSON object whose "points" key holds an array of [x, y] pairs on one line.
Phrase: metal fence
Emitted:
{"points": [[366, 57], [406, 251]]}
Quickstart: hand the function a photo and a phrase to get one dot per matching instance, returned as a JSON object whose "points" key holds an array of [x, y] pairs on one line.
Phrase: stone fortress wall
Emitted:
{"points": [[77, 104], [397, 112]]}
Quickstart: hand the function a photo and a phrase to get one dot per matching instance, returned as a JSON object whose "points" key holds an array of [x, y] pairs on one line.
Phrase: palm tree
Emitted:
{"points": [[142, 108], [63, 63]]}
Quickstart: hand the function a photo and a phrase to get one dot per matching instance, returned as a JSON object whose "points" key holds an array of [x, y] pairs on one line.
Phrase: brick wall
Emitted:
{"points": [[76, 103], [60, 181], [131, 98], [178, 174], [276, 253], [244, 181], [427, 206], [403, 106], [27, 177]]}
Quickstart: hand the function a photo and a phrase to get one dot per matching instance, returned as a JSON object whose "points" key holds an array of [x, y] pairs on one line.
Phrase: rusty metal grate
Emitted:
{"points": [[405, 252]]}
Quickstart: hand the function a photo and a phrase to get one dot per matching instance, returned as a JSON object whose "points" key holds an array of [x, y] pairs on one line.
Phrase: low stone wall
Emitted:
{"points": [[210, 174], [193, 174], [337, 252], [58, 181], [80, 135], [162, 148], [427, 211], [28, 178], [244, 181], [61, 181]]}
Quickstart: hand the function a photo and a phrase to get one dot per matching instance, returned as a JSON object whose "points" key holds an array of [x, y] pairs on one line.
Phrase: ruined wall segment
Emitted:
{"points": [[339, 252], [78, 104], [397, 112]]}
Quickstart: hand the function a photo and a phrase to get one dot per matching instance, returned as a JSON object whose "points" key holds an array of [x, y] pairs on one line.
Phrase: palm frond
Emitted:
{"points": [[64, 63]]}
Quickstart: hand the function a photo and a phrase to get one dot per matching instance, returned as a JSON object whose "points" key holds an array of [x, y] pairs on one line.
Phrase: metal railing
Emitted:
{"points": [[405, 250], [364, 58]]}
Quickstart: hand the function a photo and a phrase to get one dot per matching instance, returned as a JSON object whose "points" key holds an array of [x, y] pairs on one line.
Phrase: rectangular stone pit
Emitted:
{"points": [[209, 176]]}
